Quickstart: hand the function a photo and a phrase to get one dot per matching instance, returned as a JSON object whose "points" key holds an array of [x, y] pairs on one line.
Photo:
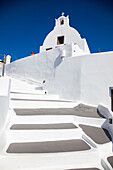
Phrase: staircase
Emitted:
{"points": [[44, 132]]}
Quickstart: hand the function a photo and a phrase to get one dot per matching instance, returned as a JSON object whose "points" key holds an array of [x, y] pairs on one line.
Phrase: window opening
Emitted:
{"points": [[62, 22], [48, 49], [60, 40]]}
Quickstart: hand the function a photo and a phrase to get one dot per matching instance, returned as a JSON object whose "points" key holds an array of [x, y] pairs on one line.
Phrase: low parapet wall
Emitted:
{"points": [[4, 100], [108, 114], [4, 107]]}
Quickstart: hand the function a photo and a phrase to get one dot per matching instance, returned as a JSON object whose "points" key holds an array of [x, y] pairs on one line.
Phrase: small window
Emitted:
{"points": [[60, 40], [48, 49], [62, 22]]}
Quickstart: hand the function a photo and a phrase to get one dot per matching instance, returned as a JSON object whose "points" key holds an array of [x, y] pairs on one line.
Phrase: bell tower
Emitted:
{"points": [[62, 21]]}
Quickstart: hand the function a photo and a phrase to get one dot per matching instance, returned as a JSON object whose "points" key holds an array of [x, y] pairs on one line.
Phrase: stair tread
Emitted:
{"points": [[48, 147], [43, 126], [79, 110], [99, 135], [110, 160]]}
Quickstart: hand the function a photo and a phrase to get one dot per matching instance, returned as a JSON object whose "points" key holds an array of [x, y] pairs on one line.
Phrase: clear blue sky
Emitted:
{"points": [[24, 24]]}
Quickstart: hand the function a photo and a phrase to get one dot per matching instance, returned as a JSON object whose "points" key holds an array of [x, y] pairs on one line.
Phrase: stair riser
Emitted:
{"points": [[41, 104], [42, 119], [43, 135], [52, 161], [28, 91], [34, 97]]}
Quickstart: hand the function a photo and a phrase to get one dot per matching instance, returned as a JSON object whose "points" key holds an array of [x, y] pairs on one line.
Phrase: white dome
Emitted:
{"points": [[62, 34], [70, 36]]}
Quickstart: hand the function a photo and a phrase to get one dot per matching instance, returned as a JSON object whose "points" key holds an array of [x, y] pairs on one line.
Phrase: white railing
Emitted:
{"points": [[108, 114]]}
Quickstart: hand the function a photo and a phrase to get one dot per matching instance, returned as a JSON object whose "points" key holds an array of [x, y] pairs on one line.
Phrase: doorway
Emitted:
{"points": [[112, 100]]}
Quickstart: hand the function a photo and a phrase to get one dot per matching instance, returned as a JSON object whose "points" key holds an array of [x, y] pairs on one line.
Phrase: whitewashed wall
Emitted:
{"points": [[85, 78], [0, 71], [4, 106], [97, 77], [4, 100], [67, 82], [38, 67]]}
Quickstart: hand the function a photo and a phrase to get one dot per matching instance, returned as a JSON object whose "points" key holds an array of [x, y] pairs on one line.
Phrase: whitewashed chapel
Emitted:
{"points": [[56, 106], [68, 68]]}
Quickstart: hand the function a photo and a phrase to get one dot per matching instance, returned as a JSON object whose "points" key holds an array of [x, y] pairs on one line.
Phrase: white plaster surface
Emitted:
{"points": [[0, 70], [48, 161], [82, 159], [4, 100], [43, 135], [4, 109], [84, 78], [35, 68], [8, 59], [34, 96], [41, 104]]}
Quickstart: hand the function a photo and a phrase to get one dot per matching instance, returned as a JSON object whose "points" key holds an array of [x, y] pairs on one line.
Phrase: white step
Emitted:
{"points": [[42, 119], [24, 87], [28, 91], [41, 104], [43, 135], [53, 161], [34, 96], [22, 83]]}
